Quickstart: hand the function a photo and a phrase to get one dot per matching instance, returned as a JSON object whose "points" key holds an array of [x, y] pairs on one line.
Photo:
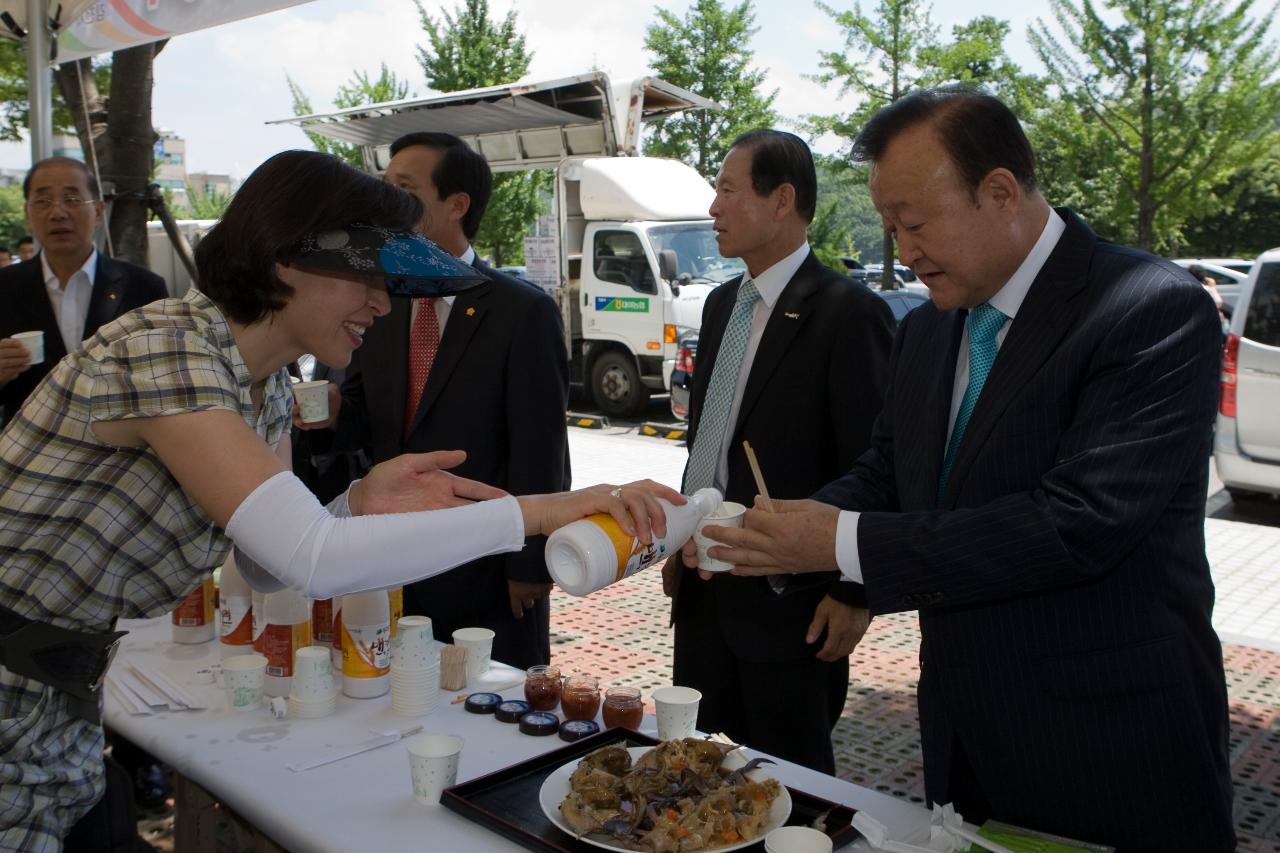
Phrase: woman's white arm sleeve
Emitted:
{"points": [[282, 528], [261, 580]]}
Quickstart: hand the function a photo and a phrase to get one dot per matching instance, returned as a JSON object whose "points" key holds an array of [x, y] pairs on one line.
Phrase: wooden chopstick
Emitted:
{"points": [[755, 472]]}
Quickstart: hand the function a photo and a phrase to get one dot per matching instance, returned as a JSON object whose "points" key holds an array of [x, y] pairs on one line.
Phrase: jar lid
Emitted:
{"points": [[577, 729], [483, 703], [512, 710], [539, 723]]}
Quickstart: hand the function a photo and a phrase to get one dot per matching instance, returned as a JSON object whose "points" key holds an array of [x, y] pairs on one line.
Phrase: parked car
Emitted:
{"points": [[1227, 273], [900, 303], [518, 272], [1247, 440]]}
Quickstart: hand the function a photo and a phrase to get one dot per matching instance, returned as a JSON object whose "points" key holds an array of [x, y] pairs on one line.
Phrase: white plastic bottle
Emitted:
{"points": [[366, 644], [335, 653], [594, 552], [193, 619], [259, 620], [395, 600], [288, 628], [235, 611]]}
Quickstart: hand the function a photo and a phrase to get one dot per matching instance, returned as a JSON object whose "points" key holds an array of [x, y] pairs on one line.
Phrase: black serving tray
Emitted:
{"points": [[507, 801]]}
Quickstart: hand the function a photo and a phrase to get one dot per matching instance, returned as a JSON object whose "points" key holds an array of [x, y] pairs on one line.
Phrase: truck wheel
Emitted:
{"points": [[616, 385]]}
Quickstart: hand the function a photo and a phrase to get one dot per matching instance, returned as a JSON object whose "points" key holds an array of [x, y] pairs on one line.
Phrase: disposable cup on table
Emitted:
{"points": [[313, 400], [33, 343], [729, 514], [312, 675], [433, 765], [244, 676], [312, 710], [797, 839], [677, 711], [479, 645]]}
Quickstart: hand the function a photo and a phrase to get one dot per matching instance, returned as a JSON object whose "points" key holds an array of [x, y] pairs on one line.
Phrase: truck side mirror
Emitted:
{"points": [[668, 264]]}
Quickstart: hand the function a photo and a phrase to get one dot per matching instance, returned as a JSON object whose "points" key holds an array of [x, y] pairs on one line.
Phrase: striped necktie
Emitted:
{"points": [[985, 323], [704, 458], [424, 342]]}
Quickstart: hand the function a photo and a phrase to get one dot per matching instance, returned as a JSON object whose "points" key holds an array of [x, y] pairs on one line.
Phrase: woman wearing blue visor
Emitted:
{"points": [[163, 441]]}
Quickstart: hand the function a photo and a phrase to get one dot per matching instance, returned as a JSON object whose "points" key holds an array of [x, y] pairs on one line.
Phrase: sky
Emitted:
{"points": [[217, 88]]}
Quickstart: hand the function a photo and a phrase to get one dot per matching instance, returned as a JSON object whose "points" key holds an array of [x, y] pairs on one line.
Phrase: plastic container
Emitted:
{"points": [[288, 628], [235, 611], [193, 619], [593, 552], [322, 621], [335, 653], [366, 644], [259, 620]]}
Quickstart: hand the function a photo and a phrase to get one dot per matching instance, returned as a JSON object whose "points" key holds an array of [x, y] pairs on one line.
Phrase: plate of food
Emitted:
{"points": [[681, 795]]}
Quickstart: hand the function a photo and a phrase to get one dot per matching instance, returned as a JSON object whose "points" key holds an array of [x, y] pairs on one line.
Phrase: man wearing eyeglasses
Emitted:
{"points": [[68, 289]]}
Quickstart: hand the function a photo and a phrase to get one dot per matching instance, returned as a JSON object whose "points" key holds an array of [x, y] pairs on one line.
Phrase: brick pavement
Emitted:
{"points": [[620, 633]]}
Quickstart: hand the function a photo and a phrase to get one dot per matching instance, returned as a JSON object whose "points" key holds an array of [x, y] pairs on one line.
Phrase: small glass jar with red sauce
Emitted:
{"points": [[580, 699], [623, 708], [542, 687]]}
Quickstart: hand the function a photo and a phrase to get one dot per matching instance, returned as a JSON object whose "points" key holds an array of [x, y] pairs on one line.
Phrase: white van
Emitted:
{"points": [[1247, 441]]}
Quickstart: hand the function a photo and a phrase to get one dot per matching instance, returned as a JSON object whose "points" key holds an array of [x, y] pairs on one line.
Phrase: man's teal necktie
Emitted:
{"points": [[985, 323], [705, 456]]}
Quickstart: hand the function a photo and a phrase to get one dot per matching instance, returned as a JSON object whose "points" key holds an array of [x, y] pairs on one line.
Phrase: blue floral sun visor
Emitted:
{"points": [[410, 264]]}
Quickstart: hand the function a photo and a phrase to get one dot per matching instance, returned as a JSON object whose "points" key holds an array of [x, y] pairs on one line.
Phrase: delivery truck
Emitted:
{"points": [[629, 252]]}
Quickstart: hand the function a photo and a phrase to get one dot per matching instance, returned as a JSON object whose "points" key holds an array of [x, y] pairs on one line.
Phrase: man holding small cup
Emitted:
{"points": [[66, 291]]}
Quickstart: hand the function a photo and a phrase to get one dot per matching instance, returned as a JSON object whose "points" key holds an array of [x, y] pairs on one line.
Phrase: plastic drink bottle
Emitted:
{"points": [[322, 621], [366, 644], [235, 611], [593, 552], [335, 652], [193, 620], [288, 628], [395, 600], [259, 620]]}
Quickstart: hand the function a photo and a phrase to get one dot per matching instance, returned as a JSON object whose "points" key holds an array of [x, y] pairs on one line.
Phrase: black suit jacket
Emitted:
{"points": [[815, 387], [1063, 589], [118, 288], [498, 389]]}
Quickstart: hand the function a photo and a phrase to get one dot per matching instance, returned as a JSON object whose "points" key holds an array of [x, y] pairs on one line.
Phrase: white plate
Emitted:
{"points": [[556, 788]]}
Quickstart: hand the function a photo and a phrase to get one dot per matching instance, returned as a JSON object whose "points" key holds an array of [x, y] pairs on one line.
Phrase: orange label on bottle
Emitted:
{"points": [[366, 650], [632, 556], [337, 629], [395, 600], [279, 642], [322, 621], [235, 620], [197, 608]]}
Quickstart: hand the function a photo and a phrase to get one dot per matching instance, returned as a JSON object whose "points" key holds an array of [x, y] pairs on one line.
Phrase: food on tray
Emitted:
{"points": [[677, 797]]}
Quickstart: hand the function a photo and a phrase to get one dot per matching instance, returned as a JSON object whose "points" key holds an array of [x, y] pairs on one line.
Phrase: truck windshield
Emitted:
{"points": [[696, 252]]}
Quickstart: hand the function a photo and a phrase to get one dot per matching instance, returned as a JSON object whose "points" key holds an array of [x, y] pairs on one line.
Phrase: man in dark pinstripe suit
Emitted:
{"points": [[1035, 488]]}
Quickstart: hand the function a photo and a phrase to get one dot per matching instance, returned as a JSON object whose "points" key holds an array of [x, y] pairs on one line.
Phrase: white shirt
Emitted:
{"points": [[1008, 299], [71, 304], [444, 304], [770, 285]]}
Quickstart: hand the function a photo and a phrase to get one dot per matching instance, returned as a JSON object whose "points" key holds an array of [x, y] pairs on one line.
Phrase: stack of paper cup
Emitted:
{"points": [[415, 667], [313, 693]]}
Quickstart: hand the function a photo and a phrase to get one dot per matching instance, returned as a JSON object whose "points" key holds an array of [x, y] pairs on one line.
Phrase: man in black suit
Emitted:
{"points": [[1036, 489], [792, 357], [496, 386], [69, 289]]}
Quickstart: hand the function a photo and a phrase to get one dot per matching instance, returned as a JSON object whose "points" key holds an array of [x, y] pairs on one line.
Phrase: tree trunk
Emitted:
{"points": [[88, 108], [888, 281], [129, 152]]}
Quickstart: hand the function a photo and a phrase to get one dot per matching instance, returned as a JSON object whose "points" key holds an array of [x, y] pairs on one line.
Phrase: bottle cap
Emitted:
{"points": [[539, 723], [577, 729], [512, 711], [483, 703]]}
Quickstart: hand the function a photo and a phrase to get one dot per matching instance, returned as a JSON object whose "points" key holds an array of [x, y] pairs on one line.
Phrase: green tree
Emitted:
{"points": [[466, 49], [846, 224], [1158, 108], [708, 53], [357, 91], [206, 204], [976, 55], [1246, 221], [885, 56], [12, 217]]}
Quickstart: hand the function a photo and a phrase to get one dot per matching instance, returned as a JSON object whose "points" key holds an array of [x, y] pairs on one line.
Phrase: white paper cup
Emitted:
{"points": [[34, 344], [244, 677], [433, 765], [414, 647], [313, 400], [312, 675], [479, 645], [797, 839], [677, 711], [729, 514]]}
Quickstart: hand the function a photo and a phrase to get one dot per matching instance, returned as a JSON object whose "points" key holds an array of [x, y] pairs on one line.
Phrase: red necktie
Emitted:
{"points": [[424, 340]]}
